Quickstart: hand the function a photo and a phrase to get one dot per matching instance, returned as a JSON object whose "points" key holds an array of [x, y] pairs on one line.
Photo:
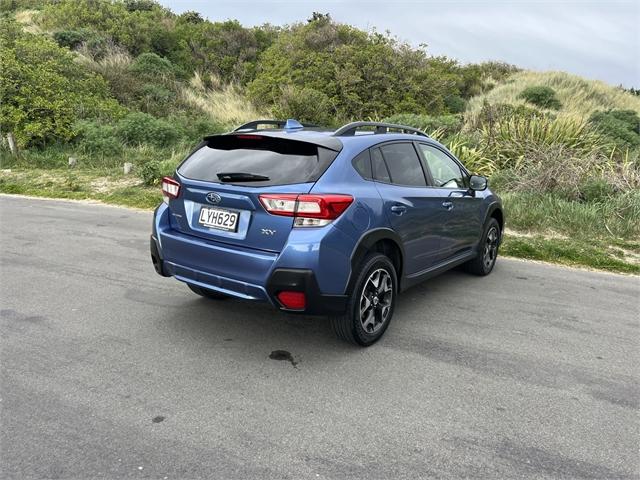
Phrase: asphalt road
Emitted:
{"points": [[110, 371]]}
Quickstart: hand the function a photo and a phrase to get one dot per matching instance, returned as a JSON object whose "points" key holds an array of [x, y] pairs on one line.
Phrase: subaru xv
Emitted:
{"points": [[323, 222]]}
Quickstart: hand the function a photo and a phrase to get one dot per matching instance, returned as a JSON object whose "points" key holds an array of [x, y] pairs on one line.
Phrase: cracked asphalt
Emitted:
{"points": [[110, 371]]}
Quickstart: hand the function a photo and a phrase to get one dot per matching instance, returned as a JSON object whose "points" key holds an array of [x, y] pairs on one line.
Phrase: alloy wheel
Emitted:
{"points": [[490, 248], [376, 300]]}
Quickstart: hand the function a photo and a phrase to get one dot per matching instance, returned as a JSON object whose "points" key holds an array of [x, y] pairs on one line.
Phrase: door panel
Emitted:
{"points": [[462, 226], [417, 215], [414, 210]]}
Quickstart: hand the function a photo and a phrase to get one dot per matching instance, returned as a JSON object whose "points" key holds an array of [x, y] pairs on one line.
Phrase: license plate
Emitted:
{"points": [[219, 218]]}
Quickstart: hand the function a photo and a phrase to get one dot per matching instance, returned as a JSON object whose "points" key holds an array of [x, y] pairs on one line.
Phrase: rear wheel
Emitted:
{"points": [[487, 250], [205, 292], [371, 305]]}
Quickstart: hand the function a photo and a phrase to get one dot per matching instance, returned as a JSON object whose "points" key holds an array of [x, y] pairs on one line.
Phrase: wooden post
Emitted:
{"points": [[12, 144]]}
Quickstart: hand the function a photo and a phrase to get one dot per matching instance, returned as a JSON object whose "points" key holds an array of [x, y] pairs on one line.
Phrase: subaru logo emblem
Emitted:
{"points": [[213, 197]]}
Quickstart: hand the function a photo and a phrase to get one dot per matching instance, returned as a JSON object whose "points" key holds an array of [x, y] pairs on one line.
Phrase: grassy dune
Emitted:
{"points": [[579, 97]]}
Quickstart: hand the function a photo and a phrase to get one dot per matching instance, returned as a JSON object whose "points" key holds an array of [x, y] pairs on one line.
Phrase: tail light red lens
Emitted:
{"points": [[292, 300], [170, 188], [308, 210]]}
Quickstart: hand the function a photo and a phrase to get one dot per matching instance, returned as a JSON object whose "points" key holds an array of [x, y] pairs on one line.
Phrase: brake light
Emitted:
{"points": [[307, 210], [292, 300], [249, 137], [170, 189]]}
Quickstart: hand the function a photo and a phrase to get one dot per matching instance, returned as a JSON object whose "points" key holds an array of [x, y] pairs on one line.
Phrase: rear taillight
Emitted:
{"points": [[170, 189], [307, 210]]}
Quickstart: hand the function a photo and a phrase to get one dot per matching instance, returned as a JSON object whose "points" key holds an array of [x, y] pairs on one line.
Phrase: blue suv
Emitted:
{"points": [[323, 222]]}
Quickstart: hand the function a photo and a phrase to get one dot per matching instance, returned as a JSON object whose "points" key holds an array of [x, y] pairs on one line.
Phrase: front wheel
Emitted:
{"points": [[487, 250], [371, 305]]}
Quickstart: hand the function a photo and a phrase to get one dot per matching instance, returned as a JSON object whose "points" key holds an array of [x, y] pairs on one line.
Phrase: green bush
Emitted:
{"points": [[305, 105], [44, 90], [455, 103], [140, 5], [70, 38], [446, 125], [152, 66], [543, 97], [622, 127], [98, 139], [155, 99], [361, 74], [194, 127], [150, 172], [141, 128], [493, 113]]}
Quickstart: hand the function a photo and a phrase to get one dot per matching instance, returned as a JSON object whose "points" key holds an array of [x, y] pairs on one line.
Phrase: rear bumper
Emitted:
{"points": [[246, 275], [301, 280]]}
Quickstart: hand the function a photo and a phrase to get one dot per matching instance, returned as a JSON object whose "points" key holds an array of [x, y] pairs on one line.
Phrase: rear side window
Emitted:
{"points": [[403, 164], [362, 164], [380, 171], [254, 160]]}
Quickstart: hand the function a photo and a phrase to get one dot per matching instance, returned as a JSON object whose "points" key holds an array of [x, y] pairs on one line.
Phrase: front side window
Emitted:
{"points": [[446, 172], [403, 164]]}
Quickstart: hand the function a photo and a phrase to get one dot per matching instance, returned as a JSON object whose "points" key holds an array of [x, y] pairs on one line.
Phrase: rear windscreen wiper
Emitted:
{"points": [[241, 177]]}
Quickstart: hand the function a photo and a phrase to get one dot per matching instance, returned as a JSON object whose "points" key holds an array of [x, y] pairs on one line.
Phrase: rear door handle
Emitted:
{"points": [[398, 209], [447, 205]]}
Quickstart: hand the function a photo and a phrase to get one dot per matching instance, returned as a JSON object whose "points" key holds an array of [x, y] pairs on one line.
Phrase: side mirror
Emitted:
{"points": [[477, 183]]}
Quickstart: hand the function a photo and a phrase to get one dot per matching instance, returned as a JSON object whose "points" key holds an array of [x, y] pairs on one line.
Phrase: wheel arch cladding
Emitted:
{"points": [[496, 213], [384, 241]]}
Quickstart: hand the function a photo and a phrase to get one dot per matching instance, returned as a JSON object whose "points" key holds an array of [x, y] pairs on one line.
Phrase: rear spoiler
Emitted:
{"points": [[315, 138]]}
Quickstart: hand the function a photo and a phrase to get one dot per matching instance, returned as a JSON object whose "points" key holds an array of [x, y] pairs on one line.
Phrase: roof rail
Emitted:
{"points": [[350, 128], [253, 125]]}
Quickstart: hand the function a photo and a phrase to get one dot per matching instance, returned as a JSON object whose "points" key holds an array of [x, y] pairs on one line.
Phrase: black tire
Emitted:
{"points": [[487, 250], [350, 326], [205, 292]]}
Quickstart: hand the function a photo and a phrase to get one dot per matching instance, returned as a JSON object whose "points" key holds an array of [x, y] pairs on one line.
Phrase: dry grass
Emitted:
{"points": [[115, 59], [223, 103], [26, 19], [579, 97]]}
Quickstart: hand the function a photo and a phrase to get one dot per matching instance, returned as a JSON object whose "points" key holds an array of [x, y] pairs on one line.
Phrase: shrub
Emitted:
{"points": [[362, 74], [141, 128], [95, 138], [622, 127], [70, 38], [455, 103], [193, 128], [44, 90], [445, 125], [491, 114], [305, 105], [543, 97], [152, 66], [150, 172], [139, 5], [155, 99]]}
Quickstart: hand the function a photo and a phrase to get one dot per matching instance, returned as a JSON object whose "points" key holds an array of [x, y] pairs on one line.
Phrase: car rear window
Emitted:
{"points": [[254, 160]]}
